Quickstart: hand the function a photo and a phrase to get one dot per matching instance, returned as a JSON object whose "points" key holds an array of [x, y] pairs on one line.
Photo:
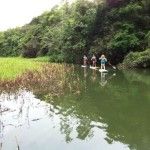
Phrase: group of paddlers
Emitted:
{"points": [[102, 60]]}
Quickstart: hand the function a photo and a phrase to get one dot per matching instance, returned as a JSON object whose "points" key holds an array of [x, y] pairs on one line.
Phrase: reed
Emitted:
{"points": [[48, 79], [51, 80]]}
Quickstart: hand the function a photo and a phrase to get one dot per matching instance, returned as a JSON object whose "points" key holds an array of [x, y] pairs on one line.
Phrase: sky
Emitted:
{"points": [[16, 13]]}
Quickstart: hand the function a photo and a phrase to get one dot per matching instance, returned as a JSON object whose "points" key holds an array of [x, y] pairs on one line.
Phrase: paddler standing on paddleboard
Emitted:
{"points": [[93, 61], [85, 59], [103, 61]]}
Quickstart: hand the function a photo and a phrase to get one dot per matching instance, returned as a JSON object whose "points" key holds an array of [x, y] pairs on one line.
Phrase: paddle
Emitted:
{"points": [[112, 66]]}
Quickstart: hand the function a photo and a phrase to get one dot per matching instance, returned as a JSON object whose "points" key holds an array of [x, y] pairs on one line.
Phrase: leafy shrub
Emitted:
{"points": [[59, 58], [138, 59]]}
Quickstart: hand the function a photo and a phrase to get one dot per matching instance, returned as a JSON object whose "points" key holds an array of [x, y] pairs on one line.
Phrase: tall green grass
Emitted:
{"points": [[15, 66], [41, 59]]}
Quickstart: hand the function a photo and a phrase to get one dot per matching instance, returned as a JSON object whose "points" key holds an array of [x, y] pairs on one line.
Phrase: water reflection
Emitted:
{"points": [[117, 106], [103, 81], [18, 111], [105, 78], [85, 72], [110, 111], [94, 75]]}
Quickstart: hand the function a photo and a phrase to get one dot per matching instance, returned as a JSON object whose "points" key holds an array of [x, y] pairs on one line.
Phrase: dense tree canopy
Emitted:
{"points": [[112, 27]]}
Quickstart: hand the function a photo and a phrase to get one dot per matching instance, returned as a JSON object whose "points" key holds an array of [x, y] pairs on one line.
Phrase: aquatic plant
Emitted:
{"points": [[51, 81]]}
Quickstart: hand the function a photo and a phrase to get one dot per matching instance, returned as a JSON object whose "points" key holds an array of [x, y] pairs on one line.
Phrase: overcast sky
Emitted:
{"points": [[15, 13]]}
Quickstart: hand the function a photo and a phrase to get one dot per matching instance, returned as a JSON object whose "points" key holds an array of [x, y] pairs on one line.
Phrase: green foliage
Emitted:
{"points": [[131, 9], [138, 59], [66, 33], [59, 58], [122, 43], [148, 39], [9, 42]]}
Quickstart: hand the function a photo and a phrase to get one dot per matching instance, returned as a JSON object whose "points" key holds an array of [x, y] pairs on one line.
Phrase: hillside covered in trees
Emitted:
{"points": [[118, 28]]}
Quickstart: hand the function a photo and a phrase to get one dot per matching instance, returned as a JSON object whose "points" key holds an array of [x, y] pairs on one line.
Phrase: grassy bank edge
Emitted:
{"points": [[11, 67]]}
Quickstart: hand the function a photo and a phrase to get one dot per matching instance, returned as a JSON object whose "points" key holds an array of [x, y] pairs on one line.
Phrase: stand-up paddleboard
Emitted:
{"points": [[93, 67], [83, 66], [103, 70]]}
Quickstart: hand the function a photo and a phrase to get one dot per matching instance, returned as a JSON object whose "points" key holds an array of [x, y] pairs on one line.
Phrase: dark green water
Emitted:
{"points": [[97, 111]]}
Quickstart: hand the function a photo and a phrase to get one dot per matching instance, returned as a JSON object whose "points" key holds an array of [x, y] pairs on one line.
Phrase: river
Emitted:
{"points": [[106, 111]]}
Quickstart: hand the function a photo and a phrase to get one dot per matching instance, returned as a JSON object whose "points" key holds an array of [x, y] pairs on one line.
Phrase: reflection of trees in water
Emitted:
{"points": [[1, 129], [122, 105], [84, 129], [4, 110], [16, 111], [48, 85], [66, 129]]}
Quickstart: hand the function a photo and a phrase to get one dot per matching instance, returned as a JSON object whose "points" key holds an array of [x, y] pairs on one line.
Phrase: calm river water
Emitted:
{"points": [[105, 112]]}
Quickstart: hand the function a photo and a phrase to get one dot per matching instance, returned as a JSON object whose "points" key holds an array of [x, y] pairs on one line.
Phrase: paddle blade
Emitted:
{"points": [[114, 67]]}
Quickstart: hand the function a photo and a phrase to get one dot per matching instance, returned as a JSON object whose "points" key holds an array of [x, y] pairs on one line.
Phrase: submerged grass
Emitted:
{"points": [[50, 81], [46, 80]]}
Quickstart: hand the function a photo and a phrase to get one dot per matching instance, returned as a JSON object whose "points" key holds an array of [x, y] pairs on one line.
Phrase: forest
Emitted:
{"points": [[120, 29]]}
